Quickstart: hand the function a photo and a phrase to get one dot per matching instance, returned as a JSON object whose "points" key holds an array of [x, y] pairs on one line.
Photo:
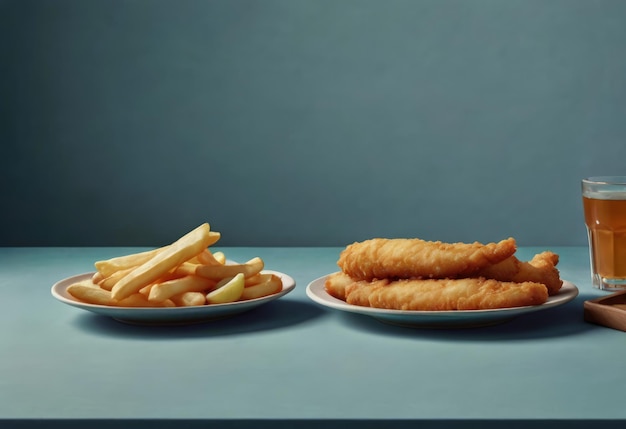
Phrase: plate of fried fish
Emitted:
{"points": [[423, 283]]}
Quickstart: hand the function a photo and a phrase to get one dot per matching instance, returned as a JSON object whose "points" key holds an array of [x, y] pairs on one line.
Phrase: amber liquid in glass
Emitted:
{"points": [[606, 226]]}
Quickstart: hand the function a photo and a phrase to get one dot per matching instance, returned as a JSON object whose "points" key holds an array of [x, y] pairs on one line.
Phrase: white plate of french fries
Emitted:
{"points": [[184, 282], [167, 315]]}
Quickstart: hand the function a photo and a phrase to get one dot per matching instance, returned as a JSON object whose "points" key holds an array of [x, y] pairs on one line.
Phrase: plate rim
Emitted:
{"points": [[59, 292], [324, 298]]}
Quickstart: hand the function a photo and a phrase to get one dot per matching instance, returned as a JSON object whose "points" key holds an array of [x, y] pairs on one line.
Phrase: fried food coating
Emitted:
{"points": [[380, 258], [445, 294], [540, 269], [336, 283], [419, 275], [475, 293]]}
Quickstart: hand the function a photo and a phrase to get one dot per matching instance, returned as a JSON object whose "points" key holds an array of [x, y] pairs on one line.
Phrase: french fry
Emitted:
{"points": [[165, 278], [110, 266], [220, 257], [97, 277], [140, 300], [214, 237], [268, 287], [186, 247], [193, 260], [186, 269], [108, 282], [145, 291], [207, 258], [93, 294], [256, 279], [162, 291], [90, 293], [189, 299], [250, 268]]}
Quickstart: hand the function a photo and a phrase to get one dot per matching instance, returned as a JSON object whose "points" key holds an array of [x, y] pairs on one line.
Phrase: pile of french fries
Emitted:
{"points": [[184, 273]]}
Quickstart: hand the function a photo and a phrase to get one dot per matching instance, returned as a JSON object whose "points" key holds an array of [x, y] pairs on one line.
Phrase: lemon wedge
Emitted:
{"points": [[230, 292]]}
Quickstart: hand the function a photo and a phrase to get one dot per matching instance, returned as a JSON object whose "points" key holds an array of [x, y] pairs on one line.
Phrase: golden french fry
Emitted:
{"points": [[220, 257], [268, 287], [90, 293], [97, 277], [186, 269], [162, 291], [189, 299], [207, 258], [164, 278], [145, 291], [110, 266], [214, 237], [93, 294], [255, 279], [88, 282], [250, 268], [193, 260], [186, 247], [140, 300], [108, 282]]}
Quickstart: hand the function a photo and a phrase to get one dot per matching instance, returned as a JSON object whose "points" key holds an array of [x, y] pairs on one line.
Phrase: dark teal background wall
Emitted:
{"points": [[296, 122]]}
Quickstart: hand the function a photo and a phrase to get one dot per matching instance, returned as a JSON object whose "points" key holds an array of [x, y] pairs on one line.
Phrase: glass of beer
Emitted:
{"points": [[604, 203]]}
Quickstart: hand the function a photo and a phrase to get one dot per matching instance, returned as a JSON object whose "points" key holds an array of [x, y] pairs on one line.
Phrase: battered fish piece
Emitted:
{"points": [[380, 258], [445, 294], [541, 269], [336, 283]]}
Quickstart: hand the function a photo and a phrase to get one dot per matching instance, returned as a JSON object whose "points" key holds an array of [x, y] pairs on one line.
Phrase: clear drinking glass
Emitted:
{"points": [[604, 203]]}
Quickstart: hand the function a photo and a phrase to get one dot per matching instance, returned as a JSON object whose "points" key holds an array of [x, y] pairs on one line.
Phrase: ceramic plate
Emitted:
{"points": [[168, 316], [438, 319]]}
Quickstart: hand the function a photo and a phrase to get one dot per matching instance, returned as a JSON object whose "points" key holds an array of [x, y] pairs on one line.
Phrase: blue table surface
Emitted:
{"points": [[294, 359]]}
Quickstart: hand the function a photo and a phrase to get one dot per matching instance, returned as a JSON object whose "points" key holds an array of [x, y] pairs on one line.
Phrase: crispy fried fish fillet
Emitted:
{"points": [[380, 258], [445, 294], [336, 283], [541, 269]]}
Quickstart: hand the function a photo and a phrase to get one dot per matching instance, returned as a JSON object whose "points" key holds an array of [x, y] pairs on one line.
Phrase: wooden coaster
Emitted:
{"points": [[609, 311]]}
